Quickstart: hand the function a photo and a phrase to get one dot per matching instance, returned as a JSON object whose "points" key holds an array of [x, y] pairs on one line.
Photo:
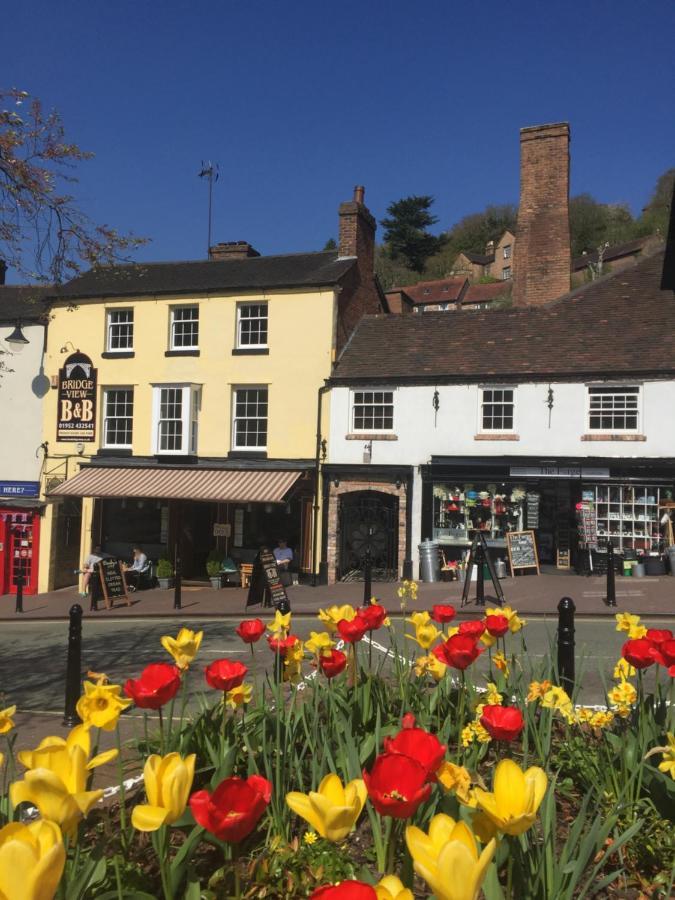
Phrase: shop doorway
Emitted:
{"points": [[368, 517], [67, 527]]}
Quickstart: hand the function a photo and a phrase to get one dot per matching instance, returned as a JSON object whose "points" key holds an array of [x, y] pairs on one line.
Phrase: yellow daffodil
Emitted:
{"points": [[184, 647], [623, 710], [32, 858], [101, 705], [334, 614], [98, 677], [501, 663], [474, 731], [447, 858], [425, 635], [492, 695], [318, 642], [583, 715], [601, 719], [624, 693], [6, 720], [637, 631], [309, 838], [239, 696], [623, 670], [515, 798], [538, 690], [625, 621], [515, 622], [332, 810], [168, 780], [280, 623], [56, 779], [487, 639], [430, 665], [667, 764], [391, 888], [557, 698], [456, 779]]}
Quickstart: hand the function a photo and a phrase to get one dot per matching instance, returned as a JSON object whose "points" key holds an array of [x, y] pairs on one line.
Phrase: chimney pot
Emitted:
{"points": [[232, 250], [359, 194]]}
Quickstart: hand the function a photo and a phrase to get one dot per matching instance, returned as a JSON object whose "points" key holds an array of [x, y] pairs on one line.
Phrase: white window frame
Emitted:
{"points": [[109, 325], [353, 404], [507, 251], [190, 395], [240, 319], [106, 417], [616, 389], [173, 322], [482, 403], [235, 418], [506, 273]]}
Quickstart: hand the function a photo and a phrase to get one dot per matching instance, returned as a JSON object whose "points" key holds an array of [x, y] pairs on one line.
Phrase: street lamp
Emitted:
{"points": [[17, 339]]}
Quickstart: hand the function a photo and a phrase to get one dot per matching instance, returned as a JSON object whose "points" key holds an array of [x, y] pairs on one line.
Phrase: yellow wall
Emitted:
{"points": [[300, 339]]}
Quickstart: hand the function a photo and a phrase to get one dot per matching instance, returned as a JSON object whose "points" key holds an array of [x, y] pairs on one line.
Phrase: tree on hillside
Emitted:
{"points": [[44, 235], [472, 233], [405, 232], [656, 214], [593, 224]]}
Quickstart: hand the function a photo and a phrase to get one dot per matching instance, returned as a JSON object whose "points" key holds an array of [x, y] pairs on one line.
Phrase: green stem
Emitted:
{"points": [[161, 732], [460, 716], [120, 771]]}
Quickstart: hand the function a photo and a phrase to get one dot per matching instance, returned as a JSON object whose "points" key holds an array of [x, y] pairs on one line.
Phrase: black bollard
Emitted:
{"points": [[19, 593], [480, 577], [177, 585], [566, 609], [73, 667], [611, 583], [368, 579]]}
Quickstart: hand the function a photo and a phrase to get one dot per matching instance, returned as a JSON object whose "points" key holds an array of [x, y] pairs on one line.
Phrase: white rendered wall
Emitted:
{"points": [[21, 391]]}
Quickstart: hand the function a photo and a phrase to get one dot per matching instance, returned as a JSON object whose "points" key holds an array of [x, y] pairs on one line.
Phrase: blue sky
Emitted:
{"points": [[300, 101]]}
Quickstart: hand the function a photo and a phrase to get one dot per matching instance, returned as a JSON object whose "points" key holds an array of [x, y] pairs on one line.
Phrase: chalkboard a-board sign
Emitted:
{"points": [[266, 586], [522, 549], [113, 584], [532, 508]]}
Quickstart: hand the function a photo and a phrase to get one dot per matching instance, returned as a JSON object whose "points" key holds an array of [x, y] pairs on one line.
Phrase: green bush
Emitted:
{"points": [[164, 568]]}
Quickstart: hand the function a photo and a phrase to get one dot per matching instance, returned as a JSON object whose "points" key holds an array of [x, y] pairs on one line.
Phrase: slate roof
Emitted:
{"points": [[483, 293], [615, 252], [481, 259], [621, 324], [200, 276], [22, 302], [443, 290]]}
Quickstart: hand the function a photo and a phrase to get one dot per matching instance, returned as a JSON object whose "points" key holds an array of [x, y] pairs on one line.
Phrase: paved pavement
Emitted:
{"points": [[532, 595]]}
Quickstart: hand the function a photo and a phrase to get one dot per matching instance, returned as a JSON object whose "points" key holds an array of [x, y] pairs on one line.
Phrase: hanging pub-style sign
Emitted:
{"points": [[76, 416]]}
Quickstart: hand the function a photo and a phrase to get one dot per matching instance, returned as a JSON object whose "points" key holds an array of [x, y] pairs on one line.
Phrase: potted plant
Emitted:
{"points": [[214, 565], [165, 574]]}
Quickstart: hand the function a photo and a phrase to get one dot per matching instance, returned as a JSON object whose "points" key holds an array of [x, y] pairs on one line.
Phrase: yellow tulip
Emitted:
{"points": [[667, 764], [32, 858], [419, 618], [56, 779], [430, 665], [168, 780], [425, 635], [318, 642], [515, 622], [332, 811], [334, 614], [487, 639], [239, 696], [516, 797], [101, 705], [281, 622], [391, 888], [6, 721], [457, 779], [447, 858], [184, 647]]}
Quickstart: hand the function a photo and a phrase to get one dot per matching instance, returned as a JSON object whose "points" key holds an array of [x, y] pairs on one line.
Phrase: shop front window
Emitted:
{"points": [[497, 409], [462, 511], [613, 408]]}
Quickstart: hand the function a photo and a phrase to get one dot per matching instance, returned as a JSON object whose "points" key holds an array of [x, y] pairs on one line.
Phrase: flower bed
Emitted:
{"points": [[352, 774]]}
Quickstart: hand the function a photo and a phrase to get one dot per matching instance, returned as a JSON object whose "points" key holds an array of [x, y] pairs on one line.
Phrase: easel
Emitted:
{"points": [[479, 556]]}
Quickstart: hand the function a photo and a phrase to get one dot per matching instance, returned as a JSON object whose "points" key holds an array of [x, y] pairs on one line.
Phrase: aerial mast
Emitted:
{"points": [[209, 170]]}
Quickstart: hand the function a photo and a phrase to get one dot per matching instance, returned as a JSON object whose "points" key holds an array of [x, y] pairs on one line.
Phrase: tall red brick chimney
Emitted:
{"points": [[357, 230], [542, 257]]}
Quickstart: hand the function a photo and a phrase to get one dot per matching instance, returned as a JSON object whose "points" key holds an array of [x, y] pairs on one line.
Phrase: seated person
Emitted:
{"points": [[133, 572], [284, 557], [88, 567]]}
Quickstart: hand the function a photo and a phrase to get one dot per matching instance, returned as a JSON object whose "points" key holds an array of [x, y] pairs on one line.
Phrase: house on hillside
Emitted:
{"points": [[612, 258], [445, 295], [496, 262]]}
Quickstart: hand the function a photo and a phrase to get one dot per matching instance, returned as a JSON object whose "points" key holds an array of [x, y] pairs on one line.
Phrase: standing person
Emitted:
{"points": [[87, 569], [138, 565]]}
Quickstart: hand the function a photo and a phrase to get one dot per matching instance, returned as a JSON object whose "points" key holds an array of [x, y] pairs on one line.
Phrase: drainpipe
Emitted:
{"points": [[317, 479]]}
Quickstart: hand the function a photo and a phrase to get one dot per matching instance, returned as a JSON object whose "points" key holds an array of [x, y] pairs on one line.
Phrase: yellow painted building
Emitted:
{"points": [[184, 410]]}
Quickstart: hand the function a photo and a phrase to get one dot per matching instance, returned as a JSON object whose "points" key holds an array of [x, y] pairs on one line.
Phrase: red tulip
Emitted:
{"points": [[443, 613], [159, 683], [497, 625], [659, 636], [353, 631], [638, 653], [233, 810], [473, 628], [251, 630], [281, 645], [664, 655], [332, 663], [396, 785], [419, 745], [503, 723], [224, 674], [459, 651], [346, 890], [374, 615]]}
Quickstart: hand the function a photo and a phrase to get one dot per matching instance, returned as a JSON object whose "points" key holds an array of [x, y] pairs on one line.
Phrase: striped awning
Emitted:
{"points": [[225, 485]]}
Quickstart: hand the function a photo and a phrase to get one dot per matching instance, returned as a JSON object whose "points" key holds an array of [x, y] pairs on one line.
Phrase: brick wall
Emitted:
{"points": [[542, 265], [346, 487]]}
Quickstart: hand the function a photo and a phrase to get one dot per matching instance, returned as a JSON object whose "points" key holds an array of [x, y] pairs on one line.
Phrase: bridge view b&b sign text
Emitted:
{"points": [[76, 416]]}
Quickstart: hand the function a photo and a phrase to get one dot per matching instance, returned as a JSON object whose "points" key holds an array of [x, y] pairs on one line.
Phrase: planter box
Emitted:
{"points": [[165, 583]]}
